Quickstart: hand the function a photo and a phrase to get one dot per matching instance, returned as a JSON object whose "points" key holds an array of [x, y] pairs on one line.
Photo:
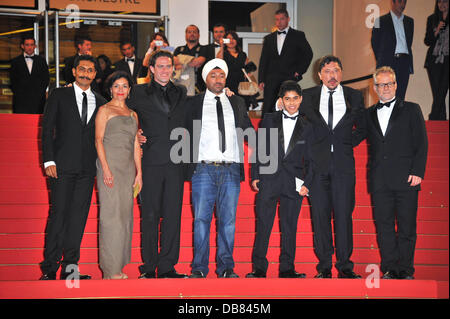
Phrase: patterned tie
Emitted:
{"points": [[330, 110], [221, 122], [84, 109]]}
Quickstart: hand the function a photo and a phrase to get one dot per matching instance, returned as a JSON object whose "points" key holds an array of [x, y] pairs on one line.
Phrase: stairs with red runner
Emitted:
{"points": [[24, 207]]}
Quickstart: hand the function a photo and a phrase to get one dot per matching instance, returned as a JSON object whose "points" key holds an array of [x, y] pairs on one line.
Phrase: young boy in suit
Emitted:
{"points": [[293, 167]]}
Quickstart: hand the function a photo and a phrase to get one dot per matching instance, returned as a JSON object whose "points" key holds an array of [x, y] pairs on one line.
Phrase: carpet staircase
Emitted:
{"points": [[24, 208]]}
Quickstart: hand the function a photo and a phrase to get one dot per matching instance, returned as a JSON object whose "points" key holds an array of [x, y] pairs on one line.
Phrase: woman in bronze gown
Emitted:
{"points": [[118, 174]]}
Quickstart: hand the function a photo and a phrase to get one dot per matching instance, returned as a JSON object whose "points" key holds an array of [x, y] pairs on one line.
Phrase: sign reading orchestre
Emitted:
{"points": [[142, 6]]}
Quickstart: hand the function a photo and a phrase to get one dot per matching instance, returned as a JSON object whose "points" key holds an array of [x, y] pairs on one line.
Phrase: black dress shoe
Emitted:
{"points": [[65, 275], [405, 275], [323, 274], [48, 276], [256, 274], [390, 275], [148, 275], [197, 274], [229, 273], [291, 274], [348, 274], [172, 274]]}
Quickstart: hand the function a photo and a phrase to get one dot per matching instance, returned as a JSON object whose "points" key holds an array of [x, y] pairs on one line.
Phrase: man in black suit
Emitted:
{"points": [[83, 45], [69, 155], [29, 78], [334, 111], [130, 62], [286, 55], [214, 123], [288, 184], [160, 106], [392, 38], [398, 147], [211, 50]]}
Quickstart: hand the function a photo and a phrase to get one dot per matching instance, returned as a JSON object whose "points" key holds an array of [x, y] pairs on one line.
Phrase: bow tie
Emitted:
{"points": [[216, 45], [387, 104], [281, 32], [29, 57], [130, 60], [290, 117]]}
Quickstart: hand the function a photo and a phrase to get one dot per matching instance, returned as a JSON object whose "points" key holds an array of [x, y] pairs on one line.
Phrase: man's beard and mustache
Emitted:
{"points": [[85, 78]]}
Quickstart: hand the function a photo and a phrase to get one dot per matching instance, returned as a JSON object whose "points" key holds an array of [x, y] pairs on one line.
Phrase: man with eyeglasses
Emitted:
{"points": [[398, 146]]}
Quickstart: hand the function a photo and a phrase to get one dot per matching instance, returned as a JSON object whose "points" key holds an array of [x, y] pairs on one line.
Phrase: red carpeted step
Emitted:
{"points": [[244, 211], [29, 225], [304, 239], [32, 271]]}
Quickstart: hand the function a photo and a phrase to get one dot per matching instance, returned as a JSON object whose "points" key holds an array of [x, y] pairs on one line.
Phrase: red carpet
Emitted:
{"points": [[24, 205]]}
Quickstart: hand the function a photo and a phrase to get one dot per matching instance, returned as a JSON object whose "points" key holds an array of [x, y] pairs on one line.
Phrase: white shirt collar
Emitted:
{"points": [[212, 96], [390, 101], [286, 29], [394, 16], [290, 115], [79, 90], [338, 89], [24, 54]]}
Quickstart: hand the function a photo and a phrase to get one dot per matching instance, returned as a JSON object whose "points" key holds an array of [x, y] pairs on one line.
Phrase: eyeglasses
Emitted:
{"points": [[390, 85]]}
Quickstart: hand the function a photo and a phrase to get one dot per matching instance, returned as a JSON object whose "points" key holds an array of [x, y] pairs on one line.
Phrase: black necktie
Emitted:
{"points": [[330, 110], [381, 105], [84, 109], [221, 123], [281, 32], [290, 117], [130, 59], [165, 98]]}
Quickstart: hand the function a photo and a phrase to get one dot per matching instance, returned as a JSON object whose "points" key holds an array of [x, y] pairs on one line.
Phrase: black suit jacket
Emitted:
{"points": [[29, 89], [384, 40], [138, 70], [155, 121], [343, 137], [295, 56], [65, 140], [401, 152], [430, 40], [296, 162], [195, 112]]}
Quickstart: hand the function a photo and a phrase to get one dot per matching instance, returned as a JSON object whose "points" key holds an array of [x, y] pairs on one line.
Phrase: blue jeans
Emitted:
{"points": [[219, 185]]}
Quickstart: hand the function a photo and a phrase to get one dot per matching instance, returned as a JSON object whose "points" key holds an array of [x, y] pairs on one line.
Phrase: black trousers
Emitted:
{"points": [[70, 199], [396, 247], [439, 81], [161, 198], [333, 194], [270, 192], [401, 68]]}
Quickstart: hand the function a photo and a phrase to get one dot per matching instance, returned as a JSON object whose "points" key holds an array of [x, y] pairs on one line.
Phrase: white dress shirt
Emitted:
{"points": [[339, 106], [401, 46], [209, 136], [79, 99], [280, 39], [288, 129], [384, 114], [131, 64], [29, 62]]}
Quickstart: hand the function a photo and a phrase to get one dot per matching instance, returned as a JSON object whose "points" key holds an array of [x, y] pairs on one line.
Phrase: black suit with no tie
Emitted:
{"points": [[29, 88], [333, 188], [70, 144], [384, 43], [163, 180], [274, 68], [281, 186], [393, 156]]}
